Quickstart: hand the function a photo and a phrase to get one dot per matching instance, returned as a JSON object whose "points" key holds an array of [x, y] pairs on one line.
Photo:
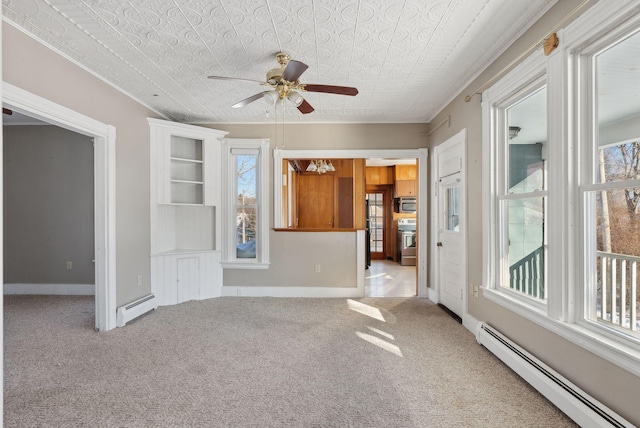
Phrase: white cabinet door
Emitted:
{"points": [[180, 277], [188, 278]]}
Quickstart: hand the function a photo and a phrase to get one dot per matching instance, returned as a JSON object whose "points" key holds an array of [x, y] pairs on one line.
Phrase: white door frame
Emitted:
{"points": [[104, 137], [434, 292]]}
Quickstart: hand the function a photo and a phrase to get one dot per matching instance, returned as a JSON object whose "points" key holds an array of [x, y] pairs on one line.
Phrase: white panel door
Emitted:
{"points": [[450, 244]]}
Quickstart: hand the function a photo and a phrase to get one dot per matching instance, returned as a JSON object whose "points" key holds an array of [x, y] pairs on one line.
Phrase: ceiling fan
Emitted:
{"points": [[284, 83]]}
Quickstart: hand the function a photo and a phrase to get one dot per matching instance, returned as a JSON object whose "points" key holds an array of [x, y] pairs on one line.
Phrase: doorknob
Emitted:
{"points": [[439, 244]]}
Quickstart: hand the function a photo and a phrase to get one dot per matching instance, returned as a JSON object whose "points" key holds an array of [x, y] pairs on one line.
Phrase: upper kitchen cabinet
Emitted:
{"points": [[405, 180], [379, 175], [187, 163]]}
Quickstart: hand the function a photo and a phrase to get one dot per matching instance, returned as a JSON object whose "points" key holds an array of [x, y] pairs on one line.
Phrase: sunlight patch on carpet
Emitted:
{"points": [[380, 343], [381, 333], [365, 309]]}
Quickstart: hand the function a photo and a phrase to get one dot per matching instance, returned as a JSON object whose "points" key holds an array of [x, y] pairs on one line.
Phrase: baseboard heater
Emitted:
{"points": [[126, 313], [574, 402]]}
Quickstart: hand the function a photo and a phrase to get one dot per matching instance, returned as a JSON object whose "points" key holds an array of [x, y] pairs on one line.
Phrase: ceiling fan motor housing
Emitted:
{"points": [[274, 76]]}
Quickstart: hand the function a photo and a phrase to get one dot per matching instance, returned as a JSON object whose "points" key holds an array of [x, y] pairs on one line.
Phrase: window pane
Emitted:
{"points": [[246, 233], [246, 206], [452, 208], [617, 258], [617, 108], [376, 222], [618, 100], [527, 136], [619, 162], [526, 254], [246, 166]]}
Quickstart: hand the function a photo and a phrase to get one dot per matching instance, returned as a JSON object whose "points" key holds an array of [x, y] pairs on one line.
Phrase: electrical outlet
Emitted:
{"points": [[69, 265], [139, 279], [317, 268]]}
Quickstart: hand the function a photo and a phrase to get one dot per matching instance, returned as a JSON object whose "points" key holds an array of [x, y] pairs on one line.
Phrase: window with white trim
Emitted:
{"points": [[583, 203], [522, 195], [610, 182], [517, 119], [246, 236]]}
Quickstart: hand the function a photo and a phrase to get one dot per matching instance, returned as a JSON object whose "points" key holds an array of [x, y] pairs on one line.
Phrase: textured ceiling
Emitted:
{"points": [[408, 58]]}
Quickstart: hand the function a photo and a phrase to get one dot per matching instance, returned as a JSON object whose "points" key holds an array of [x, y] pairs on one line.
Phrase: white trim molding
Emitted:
{"points": [[104, 137], [50, 289]]}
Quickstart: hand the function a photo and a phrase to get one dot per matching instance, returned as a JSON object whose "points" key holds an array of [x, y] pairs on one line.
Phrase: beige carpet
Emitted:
{"points": [[258, 362]]}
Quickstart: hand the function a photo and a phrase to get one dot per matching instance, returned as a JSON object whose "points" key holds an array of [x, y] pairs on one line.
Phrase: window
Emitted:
{"points": [[246, 235], [245, 163], [611, 185], [451, 208], [562, 218], [523, 195], [518, 120]]}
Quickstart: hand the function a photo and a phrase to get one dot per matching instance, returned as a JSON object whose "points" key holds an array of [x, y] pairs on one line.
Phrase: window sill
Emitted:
{"points": [[245, 265], [624, 355]]}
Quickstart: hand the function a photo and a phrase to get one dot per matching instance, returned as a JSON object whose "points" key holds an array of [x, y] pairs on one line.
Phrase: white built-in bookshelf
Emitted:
{"points": [[185, 211]]}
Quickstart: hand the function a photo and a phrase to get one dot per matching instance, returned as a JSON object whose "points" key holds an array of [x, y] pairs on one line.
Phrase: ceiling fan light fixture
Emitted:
{"points": [[295, 98], [271, 97]]}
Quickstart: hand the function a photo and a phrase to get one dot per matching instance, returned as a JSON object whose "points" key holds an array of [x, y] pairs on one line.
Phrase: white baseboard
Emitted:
{"points": [[432, 294], [48, 289], [471, 324], [292, 291]]}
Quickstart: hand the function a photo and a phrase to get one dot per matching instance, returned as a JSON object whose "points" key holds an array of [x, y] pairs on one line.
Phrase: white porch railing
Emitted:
{"points": [[527, 275], [618, 289]]}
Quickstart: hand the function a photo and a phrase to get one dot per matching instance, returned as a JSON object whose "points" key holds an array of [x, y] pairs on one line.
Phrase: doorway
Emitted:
{"points": [[379, 223], [104, 139], [49, 234]]}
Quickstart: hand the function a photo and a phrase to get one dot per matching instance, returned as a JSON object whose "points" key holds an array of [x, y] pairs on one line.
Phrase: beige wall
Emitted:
{"points": [[48, 206], [294, 256], [333, 136], [294, 271], [33, 67], [608, 383]]}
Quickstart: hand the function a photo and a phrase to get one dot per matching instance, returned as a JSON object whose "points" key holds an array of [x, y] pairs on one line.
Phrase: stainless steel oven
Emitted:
{"points": [[407, 241]]}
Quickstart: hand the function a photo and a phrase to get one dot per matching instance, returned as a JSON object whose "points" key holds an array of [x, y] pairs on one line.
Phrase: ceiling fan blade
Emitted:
{"points": [[249, 100], [234, 78], [294, 70], [305, 107], [330, 89]]}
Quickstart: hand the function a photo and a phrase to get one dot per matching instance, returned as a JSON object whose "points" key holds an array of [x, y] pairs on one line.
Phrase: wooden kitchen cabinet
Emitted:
{"points": [[379, 175], [406, 172], [405, 188], [405, 181]]}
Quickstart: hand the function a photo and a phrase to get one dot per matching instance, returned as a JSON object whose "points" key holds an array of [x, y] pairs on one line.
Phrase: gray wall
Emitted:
{"points": [[605, 381], [31, 66], [298, 270], [48, 206]]}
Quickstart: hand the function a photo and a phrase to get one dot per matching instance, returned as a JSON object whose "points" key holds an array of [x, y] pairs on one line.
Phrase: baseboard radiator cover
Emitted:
{"points": [[573, 401], [132, 310]]}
